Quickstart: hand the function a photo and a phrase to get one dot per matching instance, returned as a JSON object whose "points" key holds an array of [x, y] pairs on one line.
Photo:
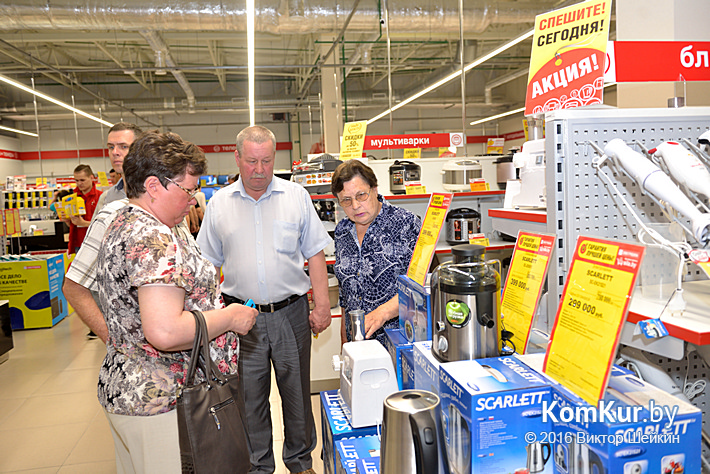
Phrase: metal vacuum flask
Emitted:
{"points": [[410, 433], [465, 296]]}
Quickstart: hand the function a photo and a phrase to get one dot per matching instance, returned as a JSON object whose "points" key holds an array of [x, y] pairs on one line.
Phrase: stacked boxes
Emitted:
{"points": [[335, 427], [368, 465], [349, 451], [489, 407], [414, 309], [398, 346]]}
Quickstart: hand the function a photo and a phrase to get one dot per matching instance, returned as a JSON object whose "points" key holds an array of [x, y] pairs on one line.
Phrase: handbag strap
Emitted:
{"points": [[201, 353]]}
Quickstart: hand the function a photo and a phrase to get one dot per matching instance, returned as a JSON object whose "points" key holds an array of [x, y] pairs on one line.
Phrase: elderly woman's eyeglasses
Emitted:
{"points": [[362, 196], [189, 193]]}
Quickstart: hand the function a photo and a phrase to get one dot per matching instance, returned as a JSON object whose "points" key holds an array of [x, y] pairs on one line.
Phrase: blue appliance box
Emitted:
{"points": [[335, 426], [397, 345], [348, 451], [368, 465], [408, 369], [414, 309], [426, 367], [643, 443], [488, 406]]}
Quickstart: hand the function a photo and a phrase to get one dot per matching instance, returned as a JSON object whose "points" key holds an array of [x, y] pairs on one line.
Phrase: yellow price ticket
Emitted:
{"points": [[523, 287], [590, 315], [428, 236]]}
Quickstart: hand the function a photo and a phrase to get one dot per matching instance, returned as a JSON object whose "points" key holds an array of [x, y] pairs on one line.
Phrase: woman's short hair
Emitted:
{"points": [[163, 155], [349, 170]]}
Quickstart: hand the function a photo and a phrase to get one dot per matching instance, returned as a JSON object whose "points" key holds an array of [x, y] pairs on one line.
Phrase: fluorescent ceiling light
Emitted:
{"points": [[53, 100], [456, 74], [14, 130], [250, 59], [493, 117]]}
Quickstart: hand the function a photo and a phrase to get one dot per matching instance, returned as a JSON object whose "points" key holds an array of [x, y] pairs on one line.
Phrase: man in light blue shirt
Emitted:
{"points": [[261, 230]]}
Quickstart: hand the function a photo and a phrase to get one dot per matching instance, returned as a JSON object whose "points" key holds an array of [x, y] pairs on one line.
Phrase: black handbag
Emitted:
{"points": [[211, 415]]}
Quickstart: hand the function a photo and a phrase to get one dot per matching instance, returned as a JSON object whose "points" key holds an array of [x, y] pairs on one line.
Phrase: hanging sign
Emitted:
{"points": [[428, 236], [523, 286], [425, 140], [494, 146], [353, 140], [592, 310], [567, 59]]}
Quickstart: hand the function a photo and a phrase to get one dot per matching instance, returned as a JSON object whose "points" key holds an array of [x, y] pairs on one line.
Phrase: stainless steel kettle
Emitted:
{"points": [[536, 459], [410, 433]]}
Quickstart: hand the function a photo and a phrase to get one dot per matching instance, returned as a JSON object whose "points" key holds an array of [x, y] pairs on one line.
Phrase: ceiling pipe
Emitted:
{"points": [[162, 52], [272, 16], [504, 79]]}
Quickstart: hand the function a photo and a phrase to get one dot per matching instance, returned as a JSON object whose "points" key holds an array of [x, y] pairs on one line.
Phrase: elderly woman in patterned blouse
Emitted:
{"points": [[373, 246], [149, 281]]}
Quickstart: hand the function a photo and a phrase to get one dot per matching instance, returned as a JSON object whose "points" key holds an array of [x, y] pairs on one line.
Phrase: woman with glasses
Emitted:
{"points": [[373, 246], [149, 281]]}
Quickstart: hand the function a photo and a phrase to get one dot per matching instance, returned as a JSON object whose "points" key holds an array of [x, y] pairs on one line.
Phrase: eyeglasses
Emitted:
{"points": [[362, 196], [189, 193]]}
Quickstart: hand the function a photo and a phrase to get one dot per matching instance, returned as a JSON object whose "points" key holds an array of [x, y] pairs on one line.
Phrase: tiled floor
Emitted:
{"points": [[50, 418]]}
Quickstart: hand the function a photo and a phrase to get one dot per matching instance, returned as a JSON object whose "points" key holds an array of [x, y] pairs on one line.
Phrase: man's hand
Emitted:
{"points": [[320, 319]]}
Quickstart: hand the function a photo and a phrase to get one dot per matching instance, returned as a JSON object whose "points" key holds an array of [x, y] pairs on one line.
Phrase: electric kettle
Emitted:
{"points": [[536, 459], [410, 433]]}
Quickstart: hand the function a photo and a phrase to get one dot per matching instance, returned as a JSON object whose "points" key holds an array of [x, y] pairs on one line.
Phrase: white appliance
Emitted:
{"points": [[456, 175], [531, 162], [367, 377]]}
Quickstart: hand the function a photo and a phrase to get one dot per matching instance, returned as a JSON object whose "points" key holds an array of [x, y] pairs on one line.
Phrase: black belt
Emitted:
{"points": [[264, 308]]}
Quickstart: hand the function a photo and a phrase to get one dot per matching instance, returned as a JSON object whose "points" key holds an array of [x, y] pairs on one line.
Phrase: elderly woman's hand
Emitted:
{"points": [[375, 320], [243, 317]]}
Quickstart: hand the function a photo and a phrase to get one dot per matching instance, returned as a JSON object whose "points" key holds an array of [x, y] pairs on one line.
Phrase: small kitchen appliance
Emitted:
{"points": [[403, 173], [456, 175], [537, 459], [410, 433], [317, 174], [531, 163], [505, 170], [461, 225], [367, 377], [465, 295]]}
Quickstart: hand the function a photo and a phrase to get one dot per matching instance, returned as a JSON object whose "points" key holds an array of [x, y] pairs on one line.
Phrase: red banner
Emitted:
{"points": [[427, 140], [647, 61]]}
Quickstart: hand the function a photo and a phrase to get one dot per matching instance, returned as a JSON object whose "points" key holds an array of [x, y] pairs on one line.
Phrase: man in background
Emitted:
{"points": [[85, 189], [260, 231], [120, 137], [80, 286], [113, 176]]}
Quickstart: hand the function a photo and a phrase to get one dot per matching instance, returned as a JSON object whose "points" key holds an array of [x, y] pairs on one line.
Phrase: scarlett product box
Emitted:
{"points": [[397, 345], [414, 309], [335, 427], [408, 369], [368, 465], [489, 407], [426, 367], [348, 451], [635, 429]]}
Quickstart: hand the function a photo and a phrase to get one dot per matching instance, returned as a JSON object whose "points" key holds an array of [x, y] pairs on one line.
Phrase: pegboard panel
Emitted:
{"points": [[689, 370], [579, 201]]}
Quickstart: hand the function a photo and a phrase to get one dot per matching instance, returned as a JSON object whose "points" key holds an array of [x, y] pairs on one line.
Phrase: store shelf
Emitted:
{"points": [[511, 221], [692, 326], [395, 197]]}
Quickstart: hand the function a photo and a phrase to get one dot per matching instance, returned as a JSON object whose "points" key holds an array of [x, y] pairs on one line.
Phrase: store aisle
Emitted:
{"points": [[50, 419]]}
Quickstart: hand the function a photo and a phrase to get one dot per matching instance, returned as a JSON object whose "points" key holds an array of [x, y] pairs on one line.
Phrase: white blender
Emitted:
{"points": [[529, 191]]}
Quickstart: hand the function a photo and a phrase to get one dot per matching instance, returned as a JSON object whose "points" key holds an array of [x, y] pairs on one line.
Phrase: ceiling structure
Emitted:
{"points": [[151, 61]]}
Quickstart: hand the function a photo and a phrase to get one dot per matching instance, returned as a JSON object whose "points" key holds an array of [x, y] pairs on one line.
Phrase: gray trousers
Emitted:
{"points": [[282, 338]]}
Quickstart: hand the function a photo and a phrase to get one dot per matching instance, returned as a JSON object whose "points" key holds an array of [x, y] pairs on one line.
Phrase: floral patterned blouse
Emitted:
{"points": [[368, 273], [136, 378]]}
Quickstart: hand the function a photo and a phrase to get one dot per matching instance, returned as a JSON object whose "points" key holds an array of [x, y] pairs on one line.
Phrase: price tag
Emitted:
{"points": [[353, 140], [411, 153], [12, 221], [590, 315], [479, 184], [495, 146], [479, 239], [428, 236], [701, 258], [523, 287], [414, 189]]}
